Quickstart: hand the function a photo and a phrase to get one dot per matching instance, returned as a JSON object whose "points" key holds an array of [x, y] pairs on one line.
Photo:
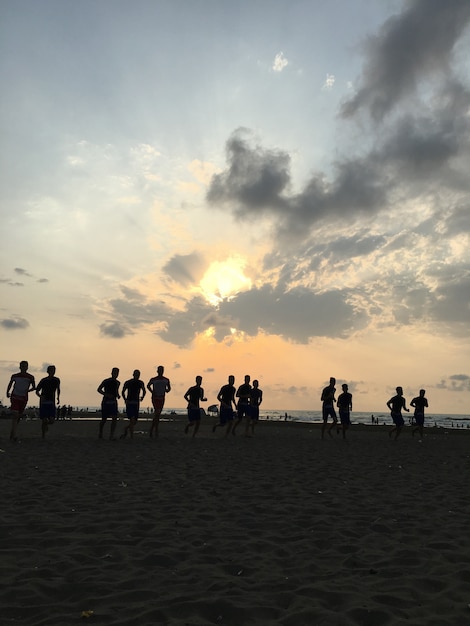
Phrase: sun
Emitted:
{"points": [[224, 279]]}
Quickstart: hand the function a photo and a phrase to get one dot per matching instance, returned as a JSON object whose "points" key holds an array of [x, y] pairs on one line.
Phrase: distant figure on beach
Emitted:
{"points": [[419, 403], [226, 397], [328, 407], [344, 407], [193, 397], [109, 389], [256, 398], [133, 392], [48, 390], [243, 405], [158, 386], [18, 388], [396, 404]]}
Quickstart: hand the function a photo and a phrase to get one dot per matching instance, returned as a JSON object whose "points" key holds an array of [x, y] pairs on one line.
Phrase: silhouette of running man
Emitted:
{"points": [[47, 389], [328, 407], [158, 386], [193, 397], [20, 385], [344, 407], [109, 389], [256, 398], [133, 392], [396, 404], [226, 397], [243, 405], [419, 403]]}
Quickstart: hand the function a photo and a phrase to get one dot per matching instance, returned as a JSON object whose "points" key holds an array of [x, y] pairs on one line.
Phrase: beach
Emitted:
{"points": [[282, 528]]}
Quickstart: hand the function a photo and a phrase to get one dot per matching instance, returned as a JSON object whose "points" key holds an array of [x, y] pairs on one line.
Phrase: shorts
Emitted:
{"points": [[109, 408], [226, 414], [243, 410], [398, 419], [254, 412], [18, 403], [132, 410], [194, 414], [47, 410], [344, 417], [329, 411], [419, 419], [158, 403]]}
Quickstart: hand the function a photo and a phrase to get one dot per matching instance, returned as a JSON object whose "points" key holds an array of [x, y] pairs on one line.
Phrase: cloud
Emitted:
{"points": [[14, 323], [21, 271], [186, 269], [455, 382], [116, 330], [280, 62], [409, 48], [43, 280]]}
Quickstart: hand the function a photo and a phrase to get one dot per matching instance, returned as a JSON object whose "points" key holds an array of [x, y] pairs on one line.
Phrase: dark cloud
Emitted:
{"points": [[455, 382], [43, 280], [409, 48], [116, 330], [186, 269], [297, 315], [255, 179], [14, 323], [21, 271]]}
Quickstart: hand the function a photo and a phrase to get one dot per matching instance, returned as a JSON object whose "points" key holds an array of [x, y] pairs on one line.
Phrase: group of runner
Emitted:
{"points": [[235, 404], [344, 403]]}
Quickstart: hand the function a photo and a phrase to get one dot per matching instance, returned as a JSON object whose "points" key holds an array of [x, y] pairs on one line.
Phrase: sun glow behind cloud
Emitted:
{"points": [[224, 279]]}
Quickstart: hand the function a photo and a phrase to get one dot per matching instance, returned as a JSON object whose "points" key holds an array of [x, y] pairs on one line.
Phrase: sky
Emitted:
{"points": [[277, 188]]}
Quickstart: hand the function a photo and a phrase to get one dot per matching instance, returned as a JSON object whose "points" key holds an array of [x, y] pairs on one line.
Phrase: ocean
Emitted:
{"points": [[315, 417]]}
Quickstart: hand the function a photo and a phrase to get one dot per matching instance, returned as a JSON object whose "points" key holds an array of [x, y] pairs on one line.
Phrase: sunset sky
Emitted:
{"points": [[277, 188]]}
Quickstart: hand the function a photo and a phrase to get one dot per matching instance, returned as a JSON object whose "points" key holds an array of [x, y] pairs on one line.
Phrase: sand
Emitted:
{"points": [[283, 528]]}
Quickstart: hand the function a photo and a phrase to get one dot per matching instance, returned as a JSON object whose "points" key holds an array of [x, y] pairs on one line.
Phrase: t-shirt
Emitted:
{"points": [[419, 404], [134, 388], [244, 393], [159, 385], [110, 386], [195, 394], [48, 387], [21, 384], [227, 394]]}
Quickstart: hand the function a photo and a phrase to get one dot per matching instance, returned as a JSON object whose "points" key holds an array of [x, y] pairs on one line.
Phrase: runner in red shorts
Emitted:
{"points": [[20, 385], [158, 386]]}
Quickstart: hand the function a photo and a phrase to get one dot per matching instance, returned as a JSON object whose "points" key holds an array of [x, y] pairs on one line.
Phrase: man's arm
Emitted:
{"points": [[32, 384], [38, 388], [142, 388], [168, 386], [58, 391]]}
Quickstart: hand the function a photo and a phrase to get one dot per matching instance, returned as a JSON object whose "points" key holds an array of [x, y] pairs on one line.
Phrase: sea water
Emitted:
{"points": [[312, 417]]}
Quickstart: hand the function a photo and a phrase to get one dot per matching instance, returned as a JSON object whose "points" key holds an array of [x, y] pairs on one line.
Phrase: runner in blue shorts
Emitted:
{"points": [[226, 397], [48, 390], [133, 392], [328, 407], [345, 406], [243, 404], [193, 396], [419, 403], [109, 389], [256, 398], [396, 404]]}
